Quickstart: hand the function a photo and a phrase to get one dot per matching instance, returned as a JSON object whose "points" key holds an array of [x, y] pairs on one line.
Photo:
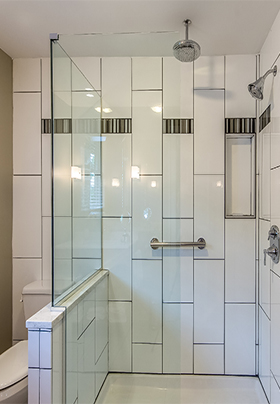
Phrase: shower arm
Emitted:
{"points": [[273, 70], [187, 22]]}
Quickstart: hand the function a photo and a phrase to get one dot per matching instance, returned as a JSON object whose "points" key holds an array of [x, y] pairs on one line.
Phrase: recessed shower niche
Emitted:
{"points": [[240, 167]]}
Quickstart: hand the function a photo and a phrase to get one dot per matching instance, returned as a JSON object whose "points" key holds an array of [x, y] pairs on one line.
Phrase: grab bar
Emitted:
{"points": [[200, 243]]}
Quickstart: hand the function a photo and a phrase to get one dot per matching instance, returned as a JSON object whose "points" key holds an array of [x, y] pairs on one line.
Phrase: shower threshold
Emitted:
{"points": [[180, 389]]}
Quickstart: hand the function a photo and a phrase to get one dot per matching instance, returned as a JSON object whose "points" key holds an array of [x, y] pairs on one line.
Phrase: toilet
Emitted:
{"points": [[14, 361]]}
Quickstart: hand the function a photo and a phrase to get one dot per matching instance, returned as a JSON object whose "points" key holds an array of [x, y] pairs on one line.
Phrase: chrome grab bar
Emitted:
{"points": [[200, 243]]}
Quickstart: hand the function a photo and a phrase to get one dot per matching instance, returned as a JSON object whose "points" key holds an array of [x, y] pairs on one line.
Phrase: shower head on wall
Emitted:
{"points": [[256, 88], [186, 50]]}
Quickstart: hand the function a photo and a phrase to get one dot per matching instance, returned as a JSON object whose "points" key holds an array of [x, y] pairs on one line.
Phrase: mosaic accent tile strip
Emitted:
{"points": [[176, 126], [116, 125], [108, 125], [265, 118], [240, 125]]}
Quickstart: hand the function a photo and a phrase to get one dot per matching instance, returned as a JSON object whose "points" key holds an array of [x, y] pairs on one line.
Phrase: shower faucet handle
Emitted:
{"points": [[273, 252], [273, 232]]}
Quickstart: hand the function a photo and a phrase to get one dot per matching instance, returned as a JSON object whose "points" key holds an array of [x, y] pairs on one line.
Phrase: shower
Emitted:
{"points": [[186, 50], [256, 88]]}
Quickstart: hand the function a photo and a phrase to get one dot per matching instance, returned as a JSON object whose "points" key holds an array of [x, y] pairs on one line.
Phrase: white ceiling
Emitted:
{"points": [[220, 27]]}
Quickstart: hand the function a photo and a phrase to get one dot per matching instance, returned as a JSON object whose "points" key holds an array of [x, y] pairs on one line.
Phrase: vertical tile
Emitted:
{"points": [[209, 359], [117, 256], [178, 176], [58, 366], [27, 133], [209, 72], [24, 272], [33, 349], [275, 200], [34, 386], [264, 352], [26, 74], [209, 132], [86, 311], [86, 152], [240, 339], [84, 267], [102, 369], [45, 386], [147, 301], [209, 215], [237, 102], [146, 73], [27, 216], [116, 175], [46, 88], [87, 237], [265, 186], [275, 391], [177, 262], [147, 358], [240, 261], [275, 326], [147, 131], [177, 88], [120, 336], [264, 270], [116, 87], [71, 352], [102, 332], [90, 67], [62, 175], [46, 349], [208, 301], [86, 194], [86, 365], [62, 238], [177, 338], [46, 175], [47, 248], [147, 216]]}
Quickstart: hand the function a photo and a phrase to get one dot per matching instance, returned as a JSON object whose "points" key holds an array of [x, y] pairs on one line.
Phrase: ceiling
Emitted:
{"points": [[220, 27]]}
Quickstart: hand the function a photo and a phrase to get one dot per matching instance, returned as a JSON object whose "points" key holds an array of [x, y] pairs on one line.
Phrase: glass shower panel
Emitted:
{"points": [[76, 175]]}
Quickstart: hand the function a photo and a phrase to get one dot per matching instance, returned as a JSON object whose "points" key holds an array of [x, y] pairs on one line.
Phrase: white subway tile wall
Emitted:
{"points": [[178, 196]]}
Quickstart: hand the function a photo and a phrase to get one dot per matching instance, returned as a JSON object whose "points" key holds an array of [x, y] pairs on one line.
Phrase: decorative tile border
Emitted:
{"points": [[173, 126], [240, 125], [108, 125], [265, 118]]}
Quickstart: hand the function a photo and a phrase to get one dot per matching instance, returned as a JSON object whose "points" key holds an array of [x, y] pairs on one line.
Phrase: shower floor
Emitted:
{"points": [[176, 389]]}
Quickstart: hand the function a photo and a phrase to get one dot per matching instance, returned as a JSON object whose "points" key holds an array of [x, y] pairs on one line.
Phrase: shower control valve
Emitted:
{"points": [[273, 232], [273, 252]]}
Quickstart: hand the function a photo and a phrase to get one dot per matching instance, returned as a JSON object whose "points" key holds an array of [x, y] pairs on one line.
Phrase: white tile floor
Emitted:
{"points": [[166, 389]]}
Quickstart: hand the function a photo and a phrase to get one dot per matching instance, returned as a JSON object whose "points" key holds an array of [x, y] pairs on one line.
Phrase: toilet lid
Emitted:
{"points": [[13, 364]]}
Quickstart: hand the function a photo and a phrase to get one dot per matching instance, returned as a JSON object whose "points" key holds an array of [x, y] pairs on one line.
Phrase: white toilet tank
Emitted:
{"points": [[35, 296]]}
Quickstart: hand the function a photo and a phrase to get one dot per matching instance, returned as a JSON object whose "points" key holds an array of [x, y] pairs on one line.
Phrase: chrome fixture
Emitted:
{"points": [[273, 250], [200, 243], [256, 88], [186, 50]]}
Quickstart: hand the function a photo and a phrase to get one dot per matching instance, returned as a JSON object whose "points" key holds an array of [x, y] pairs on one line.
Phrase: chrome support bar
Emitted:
{"points": [[200, 243]]}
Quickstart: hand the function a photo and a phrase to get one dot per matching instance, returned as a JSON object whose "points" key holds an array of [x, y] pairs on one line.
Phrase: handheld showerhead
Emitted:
{"points": [[186, 50], [256, 88]]}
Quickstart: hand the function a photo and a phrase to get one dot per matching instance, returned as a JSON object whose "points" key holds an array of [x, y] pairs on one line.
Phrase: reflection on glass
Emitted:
{"points": [[115, 182], [76, 172], [135, 172], [153, 184], [157, 108]]}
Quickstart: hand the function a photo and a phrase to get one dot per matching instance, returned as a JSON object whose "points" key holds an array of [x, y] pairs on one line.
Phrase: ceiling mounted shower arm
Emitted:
{"points": [[187, 22]]}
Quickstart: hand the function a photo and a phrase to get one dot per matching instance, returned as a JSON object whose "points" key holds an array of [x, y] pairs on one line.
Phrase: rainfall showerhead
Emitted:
{"points": [[256, 88], [186, 50]]}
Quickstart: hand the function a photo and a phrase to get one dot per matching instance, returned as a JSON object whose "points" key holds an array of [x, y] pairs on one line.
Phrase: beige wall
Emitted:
{"points": [[6, 110]]}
